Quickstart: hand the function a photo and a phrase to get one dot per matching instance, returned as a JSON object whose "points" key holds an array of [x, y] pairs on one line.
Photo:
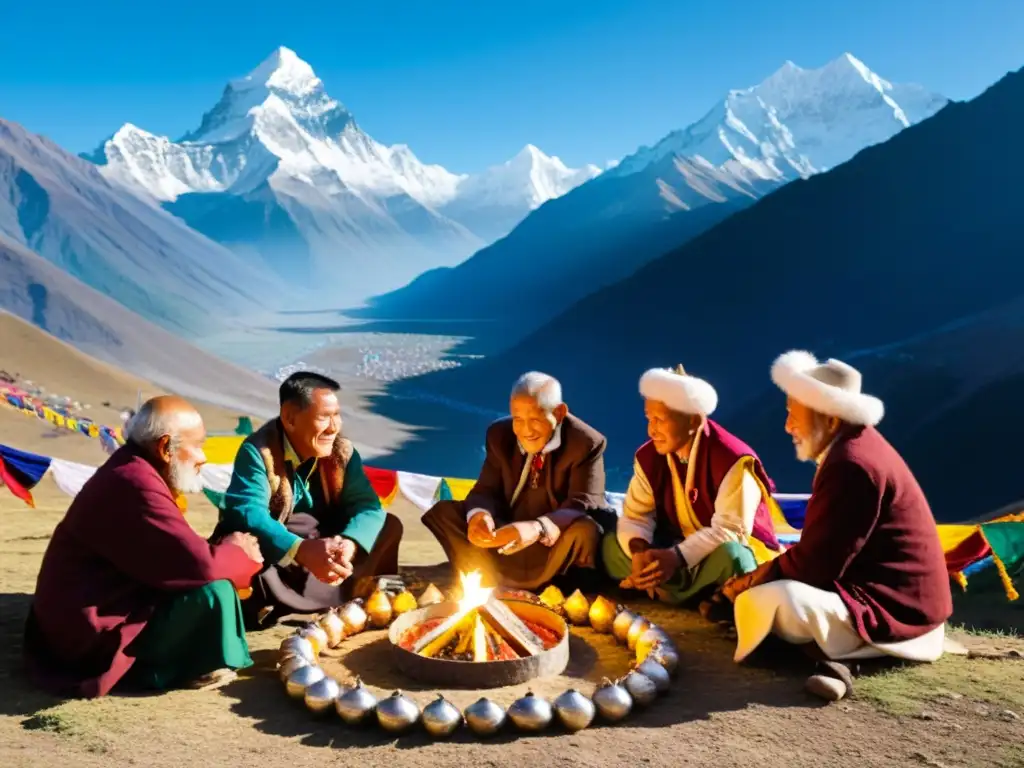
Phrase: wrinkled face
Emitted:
{"points": [[533, 425], [183, 458], [811, 431], [669, 430], [312, 430]]}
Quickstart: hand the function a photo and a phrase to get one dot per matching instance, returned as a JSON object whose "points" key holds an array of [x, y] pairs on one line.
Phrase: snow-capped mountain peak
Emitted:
{"points": [[285, 85], [796, 122], [490, 202], [282, 70], [277, 152]]}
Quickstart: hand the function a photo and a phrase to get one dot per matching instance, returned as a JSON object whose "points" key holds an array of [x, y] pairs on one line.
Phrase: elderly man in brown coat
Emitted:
{"points": [[529, 518]]}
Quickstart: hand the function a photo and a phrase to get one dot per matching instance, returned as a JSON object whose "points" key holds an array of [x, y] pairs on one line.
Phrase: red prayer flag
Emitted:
{"points": [[384, 482], [7, 478]]}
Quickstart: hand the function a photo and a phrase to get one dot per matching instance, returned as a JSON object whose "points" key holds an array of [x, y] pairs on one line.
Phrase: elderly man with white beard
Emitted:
{"points": [[127, 591], [868, 577]]}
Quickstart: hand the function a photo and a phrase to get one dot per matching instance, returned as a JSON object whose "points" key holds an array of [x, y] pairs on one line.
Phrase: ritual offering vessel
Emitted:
{"points": [[356, 705], [320, 696], [441, 717], [480, 641], [354, 617], [657, 673], [667, 656], [397, 713], [290, 664], [316, 636], [303, 677], [637, 628], [530, 713], [333, 627], [641, 688], [431, 595], [620, 626], [378, 609], [299, 646], [553, 598], [602, 615], [651, 636], [612, 700], [403, 602], [484, 717], [577, 608], [574, 710]]}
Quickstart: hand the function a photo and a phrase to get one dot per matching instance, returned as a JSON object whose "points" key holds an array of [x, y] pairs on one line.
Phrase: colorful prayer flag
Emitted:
{"points": [[21, 471]]}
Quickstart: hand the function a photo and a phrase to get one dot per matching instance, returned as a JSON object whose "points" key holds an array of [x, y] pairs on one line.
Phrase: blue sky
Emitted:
{"points": [[467, 84]]}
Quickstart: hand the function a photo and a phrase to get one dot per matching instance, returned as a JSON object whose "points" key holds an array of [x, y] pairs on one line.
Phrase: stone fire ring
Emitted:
{"points": [[481, 674]]}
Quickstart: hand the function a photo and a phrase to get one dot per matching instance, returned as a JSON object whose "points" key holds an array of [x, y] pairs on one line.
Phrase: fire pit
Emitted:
{"points": [[480, 641]]}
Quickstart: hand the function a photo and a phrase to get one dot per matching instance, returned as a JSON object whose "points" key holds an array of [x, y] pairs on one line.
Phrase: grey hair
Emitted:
{"points": [[148, 425], [542, 387]]}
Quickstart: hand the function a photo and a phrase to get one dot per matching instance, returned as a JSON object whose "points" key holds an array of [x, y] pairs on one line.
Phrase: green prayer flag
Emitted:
{"points": [[1007, 542], [444, 492]]}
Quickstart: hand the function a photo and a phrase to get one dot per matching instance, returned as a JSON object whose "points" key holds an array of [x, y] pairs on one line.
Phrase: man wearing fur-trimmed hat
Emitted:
{"points": [[698, 509], [868, 577]]}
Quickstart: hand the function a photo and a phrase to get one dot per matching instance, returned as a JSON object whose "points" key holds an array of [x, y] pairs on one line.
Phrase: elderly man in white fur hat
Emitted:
{"points": [[868, 576], [698, 509]]}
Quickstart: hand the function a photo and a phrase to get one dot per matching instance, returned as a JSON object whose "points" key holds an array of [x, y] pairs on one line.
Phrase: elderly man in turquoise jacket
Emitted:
{"points": [[299, 487]]}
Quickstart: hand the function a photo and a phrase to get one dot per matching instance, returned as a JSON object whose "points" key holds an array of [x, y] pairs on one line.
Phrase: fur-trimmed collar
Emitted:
{"points": [[269, 441]]}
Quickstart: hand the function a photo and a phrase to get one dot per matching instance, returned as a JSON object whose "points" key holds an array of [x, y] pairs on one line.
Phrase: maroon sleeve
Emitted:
{"points": [[489, 490], [145, 535], [586, 487], [841, 514]]}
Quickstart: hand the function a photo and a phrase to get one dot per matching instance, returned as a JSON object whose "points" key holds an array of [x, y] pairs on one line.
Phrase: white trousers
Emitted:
{"points": [[799, 613]]}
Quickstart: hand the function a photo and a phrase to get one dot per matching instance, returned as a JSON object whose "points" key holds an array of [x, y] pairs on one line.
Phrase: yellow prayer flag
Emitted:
{"points": [[953, 535], [222, 449], [460, 488]]}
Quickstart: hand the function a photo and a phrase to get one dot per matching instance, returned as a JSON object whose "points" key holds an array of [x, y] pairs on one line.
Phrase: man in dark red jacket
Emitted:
{"points": [[127, 589], [868, 577]]}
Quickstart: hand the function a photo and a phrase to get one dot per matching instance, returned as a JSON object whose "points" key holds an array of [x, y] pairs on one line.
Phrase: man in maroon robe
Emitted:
{"points": [[868, 577], [698, 509], [126, 587]]}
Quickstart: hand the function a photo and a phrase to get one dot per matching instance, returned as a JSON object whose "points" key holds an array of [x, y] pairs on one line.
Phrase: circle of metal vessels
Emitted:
{"points": [[656, 663]]}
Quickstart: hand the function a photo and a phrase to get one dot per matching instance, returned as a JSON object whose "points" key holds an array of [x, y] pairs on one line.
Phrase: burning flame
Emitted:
{"points": [[473, 594]]}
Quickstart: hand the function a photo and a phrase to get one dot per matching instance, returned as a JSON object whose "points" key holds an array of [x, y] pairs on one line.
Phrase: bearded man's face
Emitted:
{"points": [[811, 431], [185, 461]]}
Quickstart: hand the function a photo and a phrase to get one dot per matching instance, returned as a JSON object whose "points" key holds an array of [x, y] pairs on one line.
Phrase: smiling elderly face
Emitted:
{"points": [[532, 424], [670, 431], [811, 431]]}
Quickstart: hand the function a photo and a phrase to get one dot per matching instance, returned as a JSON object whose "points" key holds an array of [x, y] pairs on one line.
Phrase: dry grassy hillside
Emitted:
{"points": [[63, 370]]}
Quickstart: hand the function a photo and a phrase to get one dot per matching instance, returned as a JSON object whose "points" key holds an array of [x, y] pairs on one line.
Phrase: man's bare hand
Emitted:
{"points": [[481, 530], [345, 552], [641, 558], [657, 567], [524, 534], [737, 585], [318, 557], [247, 543]]}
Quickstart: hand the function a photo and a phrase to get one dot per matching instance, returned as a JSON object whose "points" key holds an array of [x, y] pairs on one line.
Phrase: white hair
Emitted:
{"points": [[542, 387], [148, 425]]}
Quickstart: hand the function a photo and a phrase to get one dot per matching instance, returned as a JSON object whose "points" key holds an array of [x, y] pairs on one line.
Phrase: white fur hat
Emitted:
{"points": [[679, 391], [831, 388]]}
